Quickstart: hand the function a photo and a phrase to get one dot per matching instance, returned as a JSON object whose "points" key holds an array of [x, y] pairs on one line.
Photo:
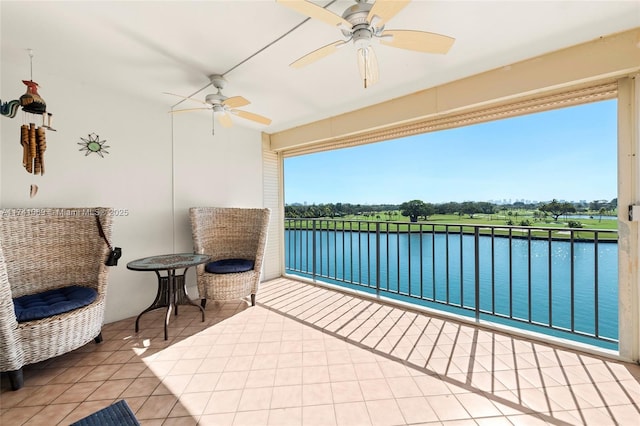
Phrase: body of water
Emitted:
{"points": [[533, 281], [584, 216]]}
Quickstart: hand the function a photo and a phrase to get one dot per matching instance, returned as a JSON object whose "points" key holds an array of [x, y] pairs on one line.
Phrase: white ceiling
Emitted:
{"points": [[145, 48]]}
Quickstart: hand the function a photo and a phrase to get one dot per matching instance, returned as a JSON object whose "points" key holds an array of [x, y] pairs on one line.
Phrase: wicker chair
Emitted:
{"points": [[42, 250], [228, 234]]}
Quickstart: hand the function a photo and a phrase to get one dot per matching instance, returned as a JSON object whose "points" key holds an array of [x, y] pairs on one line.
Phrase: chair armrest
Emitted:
{"points": [[11, 355]]}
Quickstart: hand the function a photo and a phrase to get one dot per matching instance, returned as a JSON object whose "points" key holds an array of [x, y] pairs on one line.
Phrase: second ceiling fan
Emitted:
{"points": [[364, 23], [223, 106]]}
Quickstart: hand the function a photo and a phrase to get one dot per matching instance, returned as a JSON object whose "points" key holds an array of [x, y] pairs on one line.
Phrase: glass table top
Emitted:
{"points": [[168, 261]]}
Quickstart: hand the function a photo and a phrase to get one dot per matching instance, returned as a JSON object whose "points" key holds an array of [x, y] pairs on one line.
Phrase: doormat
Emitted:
{"points": [[117, 414]]}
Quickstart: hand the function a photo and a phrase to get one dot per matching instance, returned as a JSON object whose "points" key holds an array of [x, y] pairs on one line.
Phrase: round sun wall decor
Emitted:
{"points": [[93, 144]]}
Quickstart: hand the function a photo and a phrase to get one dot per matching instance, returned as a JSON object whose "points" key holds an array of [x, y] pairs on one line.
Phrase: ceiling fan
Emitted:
{"points": [[223, 106], [364, 23]]}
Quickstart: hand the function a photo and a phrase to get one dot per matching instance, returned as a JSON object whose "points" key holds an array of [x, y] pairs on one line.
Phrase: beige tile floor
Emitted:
{"points": [[306, 355]]}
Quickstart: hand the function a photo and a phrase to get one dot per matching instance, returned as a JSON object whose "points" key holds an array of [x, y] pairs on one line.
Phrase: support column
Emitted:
{"points": [[273, 190], [629, 231]]}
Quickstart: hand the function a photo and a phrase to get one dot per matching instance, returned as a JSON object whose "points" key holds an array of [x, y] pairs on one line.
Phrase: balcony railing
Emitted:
{"points": [[560, 282]]}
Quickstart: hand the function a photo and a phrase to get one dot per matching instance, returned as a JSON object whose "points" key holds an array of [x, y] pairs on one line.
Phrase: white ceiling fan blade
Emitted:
{"points": [[235, 102], [187, 110], [185, 97], [368, 65], [384, 10], [225, 119], [316, 12], [318, 54], [420, 41], [251, 116]]}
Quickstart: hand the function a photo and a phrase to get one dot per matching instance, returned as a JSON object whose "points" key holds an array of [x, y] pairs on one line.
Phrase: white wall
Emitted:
{"points": [[154, 171], [222, 170]]}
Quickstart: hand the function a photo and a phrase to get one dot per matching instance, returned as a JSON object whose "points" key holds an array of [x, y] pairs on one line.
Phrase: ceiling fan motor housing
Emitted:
{"points": [[215, 98], [357, 16], [219, 82]]}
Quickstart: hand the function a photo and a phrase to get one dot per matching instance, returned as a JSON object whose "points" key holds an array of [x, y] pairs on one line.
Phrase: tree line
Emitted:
{"points": [[418, 209]]}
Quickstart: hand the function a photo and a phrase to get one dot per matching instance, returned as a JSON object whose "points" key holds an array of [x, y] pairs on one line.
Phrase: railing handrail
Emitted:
{"points": [[471, 225]]}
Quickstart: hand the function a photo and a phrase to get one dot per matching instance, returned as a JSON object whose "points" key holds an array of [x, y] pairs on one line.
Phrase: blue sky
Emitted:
{"points": [[569, 154]]}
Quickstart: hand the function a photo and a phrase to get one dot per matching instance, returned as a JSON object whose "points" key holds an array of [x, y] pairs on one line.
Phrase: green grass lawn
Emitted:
{"points": [[453, 223]]}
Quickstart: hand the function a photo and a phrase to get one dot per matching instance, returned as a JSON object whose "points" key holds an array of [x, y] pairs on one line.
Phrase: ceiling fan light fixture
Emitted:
{"points": [[368, 66], [362, 37], [225, 119]]}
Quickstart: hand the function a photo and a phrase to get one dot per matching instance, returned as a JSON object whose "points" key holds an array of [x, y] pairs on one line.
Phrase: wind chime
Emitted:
{"points": [[32, 137]]}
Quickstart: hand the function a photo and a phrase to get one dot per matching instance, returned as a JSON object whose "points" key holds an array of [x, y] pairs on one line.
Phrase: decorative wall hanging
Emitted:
{"points": [[31, 101], [32, 138], [93, 144], [34, 143], [9, 109]]}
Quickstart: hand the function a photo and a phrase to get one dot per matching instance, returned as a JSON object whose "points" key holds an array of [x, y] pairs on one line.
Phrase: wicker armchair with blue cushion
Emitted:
{"points": [[53, 282], [236, 239]]}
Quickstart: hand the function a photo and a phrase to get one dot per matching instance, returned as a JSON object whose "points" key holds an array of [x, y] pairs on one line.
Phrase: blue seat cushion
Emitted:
{"points": [[52, 302], [229, 266]]}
